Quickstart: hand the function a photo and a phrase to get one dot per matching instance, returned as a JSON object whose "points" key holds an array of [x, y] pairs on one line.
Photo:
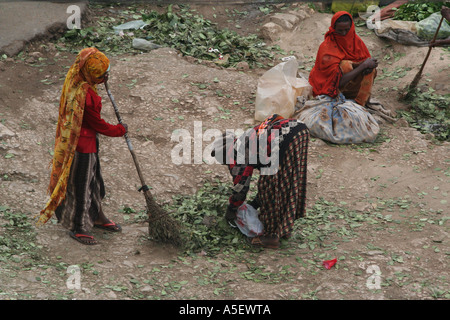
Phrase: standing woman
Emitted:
{"points": [[76, 186], [278, 148]]}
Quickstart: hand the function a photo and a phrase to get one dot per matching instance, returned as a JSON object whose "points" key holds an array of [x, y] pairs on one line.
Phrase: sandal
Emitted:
{"points": [[109, 226], [83, 238], [265, 242]]}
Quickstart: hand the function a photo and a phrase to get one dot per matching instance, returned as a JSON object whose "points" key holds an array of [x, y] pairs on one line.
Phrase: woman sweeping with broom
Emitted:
{"points": [[76, 185]]}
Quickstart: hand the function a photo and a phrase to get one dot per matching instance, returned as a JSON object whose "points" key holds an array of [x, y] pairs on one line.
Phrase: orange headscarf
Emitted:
{"points": [[326, 74], [87, 71], [268, 121]]}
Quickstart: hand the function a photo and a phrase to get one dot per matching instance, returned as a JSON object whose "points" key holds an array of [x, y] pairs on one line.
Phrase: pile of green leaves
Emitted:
{"points": [[429, 113], [417, 10], [194, 35], [101, 35], [202, 216], [18, 236], [184, 30]]}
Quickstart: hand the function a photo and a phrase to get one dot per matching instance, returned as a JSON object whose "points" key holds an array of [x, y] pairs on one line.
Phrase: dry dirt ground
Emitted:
{"points": [[390, 221]]}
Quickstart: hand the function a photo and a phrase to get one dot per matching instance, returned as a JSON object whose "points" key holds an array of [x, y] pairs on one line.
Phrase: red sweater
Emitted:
{"points": [[93, 124]]}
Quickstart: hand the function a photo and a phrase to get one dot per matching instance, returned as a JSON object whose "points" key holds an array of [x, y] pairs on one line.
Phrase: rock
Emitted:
{"points": [[402, 123], [128, 263], [31, 60], [243, 66], [42, 295], [190, 59], [211, 111], [111, 295], [362, 206], [301, 14], [270, 30], [285, 20], [375, 253], [146, 288], [35, 54], [5, 132]]}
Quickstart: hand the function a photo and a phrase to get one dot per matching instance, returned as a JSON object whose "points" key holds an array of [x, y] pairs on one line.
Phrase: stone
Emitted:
{"points": [[285, 20], [271, 30], [243, 66], [375, 253], [211, 111], [402, 123], [5, 132], [301, 14]]}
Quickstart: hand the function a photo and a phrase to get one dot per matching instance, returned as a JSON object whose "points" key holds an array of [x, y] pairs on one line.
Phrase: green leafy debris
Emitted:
{"points": [[429, 113], [190, 33], [417, 10]]}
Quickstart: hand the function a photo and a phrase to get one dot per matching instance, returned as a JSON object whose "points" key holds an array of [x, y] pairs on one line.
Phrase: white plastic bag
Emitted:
{"points": [[278, 90], [136, 24], [247, 221], [142, 44]]}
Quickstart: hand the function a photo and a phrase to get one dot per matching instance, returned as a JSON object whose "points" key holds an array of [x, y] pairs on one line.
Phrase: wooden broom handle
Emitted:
{"points": [[130, 147]]}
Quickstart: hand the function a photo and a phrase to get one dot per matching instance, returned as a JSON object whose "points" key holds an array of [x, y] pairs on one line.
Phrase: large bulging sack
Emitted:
{"points": [[339, 121], [427, 27]]}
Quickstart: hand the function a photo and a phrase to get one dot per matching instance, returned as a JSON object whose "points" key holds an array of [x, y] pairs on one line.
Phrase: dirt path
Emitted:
{"points": [[381, 210]]}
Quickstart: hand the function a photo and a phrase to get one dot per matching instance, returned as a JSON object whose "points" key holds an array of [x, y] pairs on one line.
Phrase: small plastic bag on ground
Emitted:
{"points": [[426, 28], [247, 221], [136, 24], [142, 44], [278, 90], [338, 120]]}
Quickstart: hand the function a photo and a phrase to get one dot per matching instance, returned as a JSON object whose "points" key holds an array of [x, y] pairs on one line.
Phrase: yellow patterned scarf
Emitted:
{"points": [[87, 71]]}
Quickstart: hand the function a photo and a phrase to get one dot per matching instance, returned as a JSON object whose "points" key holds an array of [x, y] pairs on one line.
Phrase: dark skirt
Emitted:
{"points": [[282, 196], [85, 191]]}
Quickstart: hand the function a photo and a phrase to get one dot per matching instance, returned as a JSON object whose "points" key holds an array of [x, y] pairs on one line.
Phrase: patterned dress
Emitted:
{"points": [[278, 148], [85, 187]]}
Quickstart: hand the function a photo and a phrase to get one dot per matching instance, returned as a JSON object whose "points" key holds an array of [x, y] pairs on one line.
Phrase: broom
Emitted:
{"points": [[162, 227], [416, 79]]}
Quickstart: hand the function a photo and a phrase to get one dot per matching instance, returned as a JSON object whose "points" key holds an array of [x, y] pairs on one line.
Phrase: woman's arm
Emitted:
{"points": [[368, 65], [92, 116]]}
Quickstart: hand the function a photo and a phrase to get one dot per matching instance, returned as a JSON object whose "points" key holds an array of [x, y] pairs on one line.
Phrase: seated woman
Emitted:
{"points": [[343, 63], [341, 79], [278, 148]]}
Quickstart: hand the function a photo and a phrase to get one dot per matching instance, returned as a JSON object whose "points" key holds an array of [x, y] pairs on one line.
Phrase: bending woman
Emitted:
{"points": [[76, 186], [278, 148]]}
